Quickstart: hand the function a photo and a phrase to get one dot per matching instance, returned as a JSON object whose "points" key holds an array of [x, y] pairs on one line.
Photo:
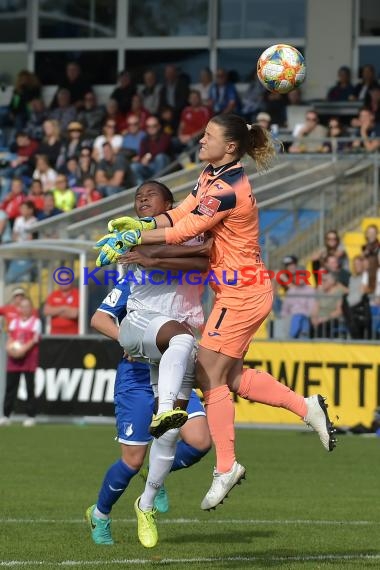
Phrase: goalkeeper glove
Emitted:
{"points": [[112, 246], [127, 223]]}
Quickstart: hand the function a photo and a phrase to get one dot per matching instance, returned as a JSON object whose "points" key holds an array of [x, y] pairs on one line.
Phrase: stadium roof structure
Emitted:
{"points": [[51, 251]]}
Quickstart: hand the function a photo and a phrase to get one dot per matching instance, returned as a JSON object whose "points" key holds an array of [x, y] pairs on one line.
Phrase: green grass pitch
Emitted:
{"points": [[299, 507]]}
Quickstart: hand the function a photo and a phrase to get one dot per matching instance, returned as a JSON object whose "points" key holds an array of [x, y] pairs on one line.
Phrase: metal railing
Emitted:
{"points": [[297, 322], [181, 183], [348, 192]]}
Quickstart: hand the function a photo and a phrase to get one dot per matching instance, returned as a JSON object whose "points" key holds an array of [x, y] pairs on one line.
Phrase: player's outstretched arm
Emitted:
{"points": [[196, 263], [165, 220], [166, 251]]}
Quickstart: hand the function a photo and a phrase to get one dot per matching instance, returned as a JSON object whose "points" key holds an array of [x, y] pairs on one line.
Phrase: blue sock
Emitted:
{"points": [[186, 455], [115, 482]]}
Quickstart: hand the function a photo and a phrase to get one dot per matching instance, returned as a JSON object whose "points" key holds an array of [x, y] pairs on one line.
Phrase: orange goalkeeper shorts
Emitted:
{"points": [[230, 330]]}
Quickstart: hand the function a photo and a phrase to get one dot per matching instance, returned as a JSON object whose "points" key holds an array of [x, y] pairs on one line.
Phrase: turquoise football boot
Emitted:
{"points": [[100, 528]]}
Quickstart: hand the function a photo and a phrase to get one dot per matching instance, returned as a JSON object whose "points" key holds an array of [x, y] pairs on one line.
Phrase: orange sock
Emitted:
{"points": [[259, 386], [220, 412]]}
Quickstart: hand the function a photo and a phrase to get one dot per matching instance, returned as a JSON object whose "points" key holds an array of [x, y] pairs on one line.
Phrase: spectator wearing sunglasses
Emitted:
{"points": [[132, 137], [310, 135], [71, 147]]}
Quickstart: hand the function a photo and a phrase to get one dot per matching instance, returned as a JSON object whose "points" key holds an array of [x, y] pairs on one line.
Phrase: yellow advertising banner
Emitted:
{"points": [[347, 374]]}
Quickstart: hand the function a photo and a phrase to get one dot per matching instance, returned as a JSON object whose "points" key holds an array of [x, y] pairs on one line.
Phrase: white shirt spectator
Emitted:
{"points": [[47, 178], [299, 300], [21, 228], [116, 142]]}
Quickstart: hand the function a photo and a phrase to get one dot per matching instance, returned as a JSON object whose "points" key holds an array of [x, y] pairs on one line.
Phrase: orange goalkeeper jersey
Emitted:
{"points": [[222, 203]]}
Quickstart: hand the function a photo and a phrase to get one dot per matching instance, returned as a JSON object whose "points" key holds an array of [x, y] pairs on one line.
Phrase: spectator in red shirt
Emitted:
{"points": [[89, 193], [193, 121], [11, 310], [23, 354], [24, 148], [12, 201], [155, 152], [62, 308]]}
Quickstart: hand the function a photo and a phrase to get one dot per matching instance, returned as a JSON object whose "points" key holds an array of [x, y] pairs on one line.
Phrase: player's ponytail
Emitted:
{"points": [[261, 147], [249, 139]]}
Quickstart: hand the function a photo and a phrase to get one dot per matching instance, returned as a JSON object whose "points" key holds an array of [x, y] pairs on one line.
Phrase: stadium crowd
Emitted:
{"points": [[333, 301], [71, 151]]}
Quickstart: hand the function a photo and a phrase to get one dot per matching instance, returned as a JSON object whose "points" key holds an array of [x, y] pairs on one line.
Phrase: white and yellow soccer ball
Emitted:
{"points": [[281, 68]]}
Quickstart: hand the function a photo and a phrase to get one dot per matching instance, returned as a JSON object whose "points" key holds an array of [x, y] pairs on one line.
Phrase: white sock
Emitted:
{"points": [[100, 515], [172, 369], [161, 459]]}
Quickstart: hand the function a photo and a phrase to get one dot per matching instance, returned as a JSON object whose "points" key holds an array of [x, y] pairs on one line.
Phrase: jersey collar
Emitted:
{"points": [[217, 171]]}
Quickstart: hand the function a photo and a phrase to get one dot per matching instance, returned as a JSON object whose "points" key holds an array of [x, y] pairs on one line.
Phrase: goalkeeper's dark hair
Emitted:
{"points": [[165, 191], [253, 140]]}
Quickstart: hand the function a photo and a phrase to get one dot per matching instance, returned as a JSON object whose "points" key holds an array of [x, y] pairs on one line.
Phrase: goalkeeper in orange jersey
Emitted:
{"points": [[223, 203]]}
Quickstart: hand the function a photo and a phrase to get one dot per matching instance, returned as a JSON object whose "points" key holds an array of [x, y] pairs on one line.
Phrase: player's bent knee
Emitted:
{"points": [[195, 432], [133, 455]]}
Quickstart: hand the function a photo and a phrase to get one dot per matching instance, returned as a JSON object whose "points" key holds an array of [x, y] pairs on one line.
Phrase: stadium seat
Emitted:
{"points": [[369, 221], [281, 223], [353, 242], [353, 239]]}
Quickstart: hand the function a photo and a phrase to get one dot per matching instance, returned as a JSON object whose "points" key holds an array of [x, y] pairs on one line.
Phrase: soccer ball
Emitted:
{"points": [[281, 68]]}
